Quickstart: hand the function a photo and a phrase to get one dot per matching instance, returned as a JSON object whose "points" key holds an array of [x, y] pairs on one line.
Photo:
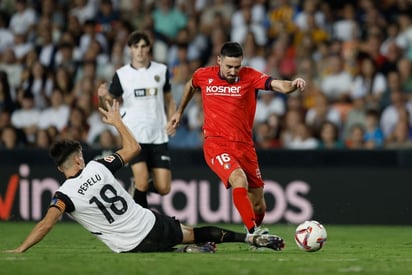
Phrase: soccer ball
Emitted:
{"points": [[310, 236]]}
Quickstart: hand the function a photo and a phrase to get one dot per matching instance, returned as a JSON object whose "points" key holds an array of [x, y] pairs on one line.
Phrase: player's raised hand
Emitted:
{"points": [[111, 114], [299, 83]]}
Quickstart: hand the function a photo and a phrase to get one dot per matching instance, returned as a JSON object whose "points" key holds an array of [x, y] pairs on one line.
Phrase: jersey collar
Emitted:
{"points": [[148, 66]]}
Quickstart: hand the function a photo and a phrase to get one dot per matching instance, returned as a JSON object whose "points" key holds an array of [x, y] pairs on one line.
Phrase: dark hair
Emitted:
{"points": [[136, 36], [61, 150], [231, 49]]}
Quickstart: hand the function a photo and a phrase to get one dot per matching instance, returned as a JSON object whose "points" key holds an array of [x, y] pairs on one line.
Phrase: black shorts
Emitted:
{"points": [[165, 234], [155, 156]]}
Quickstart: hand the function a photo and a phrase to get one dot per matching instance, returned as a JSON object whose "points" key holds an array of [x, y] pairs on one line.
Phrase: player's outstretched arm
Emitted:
{"points": [[286, 86], [130, 146], [174, 120], [39, 231]]}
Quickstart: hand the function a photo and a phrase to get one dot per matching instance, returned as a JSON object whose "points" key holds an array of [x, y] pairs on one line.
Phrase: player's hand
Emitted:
{"points": [[111, 114], [299, 83], [173, 123]]}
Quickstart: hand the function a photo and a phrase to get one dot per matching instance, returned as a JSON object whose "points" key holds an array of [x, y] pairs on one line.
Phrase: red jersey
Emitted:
{"points": [[229, 109]]}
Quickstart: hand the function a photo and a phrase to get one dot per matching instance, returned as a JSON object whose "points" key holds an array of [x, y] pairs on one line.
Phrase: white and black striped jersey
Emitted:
{"points": [[143, 109], [96, 200]]}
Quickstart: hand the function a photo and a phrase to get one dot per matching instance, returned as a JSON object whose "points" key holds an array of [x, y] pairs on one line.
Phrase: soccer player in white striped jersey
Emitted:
{"points": [[144, 90], [93, 197]]}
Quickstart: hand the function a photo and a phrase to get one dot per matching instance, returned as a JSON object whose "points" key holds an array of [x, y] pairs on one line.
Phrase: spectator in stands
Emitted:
{"points": [[275, 127], [168, 20], [321, 112], [39, 84], [357, 115], [77, 122], [310, 8], [391, 114], [57, 114], [393, 84], [107, 18], [63, 80], [268, 103], [291, 120], [373, 134], [280, 18], [369, 83], [44, 44], [27, 117], [7, 37], [329, 136], [253, 54], [83, 10], [262, 137], [24, 18], [405, 26], [405, 72], [10, 138], [346, 28], [355, 140], [303, 138], [221, 10], [53, 11], [400, 138], [107, 140], [5, 119], [248, 18], [6, 101], [42, 139], [337, 82], [22, 46], [68, 56]]}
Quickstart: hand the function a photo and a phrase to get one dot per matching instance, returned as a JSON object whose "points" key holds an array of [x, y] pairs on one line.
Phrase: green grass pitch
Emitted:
{"points": [[69, 249]]}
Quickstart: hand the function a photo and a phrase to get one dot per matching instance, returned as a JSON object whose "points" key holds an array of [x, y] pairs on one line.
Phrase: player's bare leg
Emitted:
{"points": [[162, 178], [257, 199]]}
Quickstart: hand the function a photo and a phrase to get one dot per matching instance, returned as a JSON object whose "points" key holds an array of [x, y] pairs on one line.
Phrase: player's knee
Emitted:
{"points": [[163, 190], [141, 185]]}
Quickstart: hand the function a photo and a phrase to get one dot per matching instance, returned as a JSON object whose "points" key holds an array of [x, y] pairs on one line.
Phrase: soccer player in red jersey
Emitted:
{"points": [[229, 93]]}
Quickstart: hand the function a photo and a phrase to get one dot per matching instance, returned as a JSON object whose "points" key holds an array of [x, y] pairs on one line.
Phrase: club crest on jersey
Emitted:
{"points": [[157, 78], [210, 80], [109, 159], [226, 166]]}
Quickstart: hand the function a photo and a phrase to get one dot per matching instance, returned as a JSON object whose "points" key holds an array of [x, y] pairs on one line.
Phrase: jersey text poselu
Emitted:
{"points": [[88, 183]]}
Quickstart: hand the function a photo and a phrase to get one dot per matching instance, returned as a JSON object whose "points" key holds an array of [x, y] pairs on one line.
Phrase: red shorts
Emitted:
{"points": [[223, 157]]}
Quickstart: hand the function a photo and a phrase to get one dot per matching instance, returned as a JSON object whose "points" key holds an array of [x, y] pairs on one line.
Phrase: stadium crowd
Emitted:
{"points": [[354, 55]]}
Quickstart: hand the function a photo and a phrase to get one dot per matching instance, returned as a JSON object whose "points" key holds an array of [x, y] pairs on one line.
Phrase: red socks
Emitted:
{"points": [[244, 207]]}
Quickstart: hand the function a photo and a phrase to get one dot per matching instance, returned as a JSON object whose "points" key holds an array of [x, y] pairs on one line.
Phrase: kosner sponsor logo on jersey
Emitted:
{"points": [[223, 90]]}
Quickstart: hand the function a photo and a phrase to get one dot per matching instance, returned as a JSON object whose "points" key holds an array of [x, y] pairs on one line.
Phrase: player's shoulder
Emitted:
{"points": [[155, 64], [248, 69], [207, 70], [124, 68], [249, 72]]}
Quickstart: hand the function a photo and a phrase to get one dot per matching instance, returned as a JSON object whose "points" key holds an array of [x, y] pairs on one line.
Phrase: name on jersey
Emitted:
{"points": [[223, 90], [145, 92], [88, 183]]}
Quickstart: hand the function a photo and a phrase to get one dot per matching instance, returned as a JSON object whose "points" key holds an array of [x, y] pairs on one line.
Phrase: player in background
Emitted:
{"points": [[93, 197], [229, 93], [143, 88]]}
